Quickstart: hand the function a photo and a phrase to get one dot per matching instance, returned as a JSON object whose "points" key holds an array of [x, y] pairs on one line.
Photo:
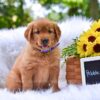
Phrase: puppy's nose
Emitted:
{"points": [[45, 41]]}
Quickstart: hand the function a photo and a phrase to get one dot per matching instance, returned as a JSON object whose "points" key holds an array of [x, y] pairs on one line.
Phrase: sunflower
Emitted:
{"points": [[88, 43], [96, 26], [89, 35], [84, 48], [96, 47]]}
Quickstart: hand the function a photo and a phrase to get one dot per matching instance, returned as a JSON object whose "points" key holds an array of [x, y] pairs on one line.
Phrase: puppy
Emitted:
{"points": [[37, 67]]}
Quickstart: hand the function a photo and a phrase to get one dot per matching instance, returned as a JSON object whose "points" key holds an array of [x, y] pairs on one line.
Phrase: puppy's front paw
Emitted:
{"points": [[57, 89]]}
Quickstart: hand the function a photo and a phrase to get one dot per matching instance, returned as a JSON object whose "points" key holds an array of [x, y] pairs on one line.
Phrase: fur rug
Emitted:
{"points": [[11, 43]]}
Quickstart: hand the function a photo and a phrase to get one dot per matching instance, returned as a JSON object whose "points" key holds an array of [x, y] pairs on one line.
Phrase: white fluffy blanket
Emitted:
{"points": [[11, 43]]}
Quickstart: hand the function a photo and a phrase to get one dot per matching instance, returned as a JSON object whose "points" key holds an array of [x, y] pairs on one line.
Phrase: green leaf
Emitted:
{"points": [[70, 50]]}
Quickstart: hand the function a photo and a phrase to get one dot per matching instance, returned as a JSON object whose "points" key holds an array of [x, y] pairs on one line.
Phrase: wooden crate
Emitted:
{"points": [[73, 70]]}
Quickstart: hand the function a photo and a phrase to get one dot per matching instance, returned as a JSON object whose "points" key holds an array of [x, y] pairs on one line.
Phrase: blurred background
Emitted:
{"points": [[16, 13]]}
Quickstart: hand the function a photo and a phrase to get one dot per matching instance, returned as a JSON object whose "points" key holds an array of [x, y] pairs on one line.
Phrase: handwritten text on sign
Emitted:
{"points": [[92, 73]]}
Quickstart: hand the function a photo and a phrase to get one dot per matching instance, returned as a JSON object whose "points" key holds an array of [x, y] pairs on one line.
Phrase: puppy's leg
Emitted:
{"points": [[13, 82], [27, 81], [54, 75]]}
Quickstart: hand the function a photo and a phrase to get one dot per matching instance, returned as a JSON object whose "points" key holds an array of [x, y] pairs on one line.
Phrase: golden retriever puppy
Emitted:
{"points": [[37, 67]]}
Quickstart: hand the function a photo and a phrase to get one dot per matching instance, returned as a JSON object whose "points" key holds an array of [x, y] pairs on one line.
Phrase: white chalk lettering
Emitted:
{"points": [[92, 73]]}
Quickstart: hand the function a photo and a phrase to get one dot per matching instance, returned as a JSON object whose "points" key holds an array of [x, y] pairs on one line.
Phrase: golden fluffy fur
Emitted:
{"points": [[34, 69]]}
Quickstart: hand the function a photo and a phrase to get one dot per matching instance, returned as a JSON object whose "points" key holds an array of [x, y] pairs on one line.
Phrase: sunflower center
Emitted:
{"points": [[98, 29], [96, 48], [91, 38], [84, 47]]}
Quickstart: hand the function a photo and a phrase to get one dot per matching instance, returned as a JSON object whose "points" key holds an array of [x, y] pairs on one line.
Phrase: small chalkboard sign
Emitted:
{"points": [[90, 70]]}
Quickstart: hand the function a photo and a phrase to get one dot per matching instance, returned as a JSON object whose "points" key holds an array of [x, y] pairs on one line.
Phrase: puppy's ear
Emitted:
{"points": [[28, 32], [57, 31]]}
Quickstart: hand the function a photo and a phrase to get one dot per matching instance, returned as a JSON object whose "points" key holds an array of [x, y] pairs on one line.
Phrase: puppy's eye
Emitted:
{"points": [[36, 32], [50, 31]]}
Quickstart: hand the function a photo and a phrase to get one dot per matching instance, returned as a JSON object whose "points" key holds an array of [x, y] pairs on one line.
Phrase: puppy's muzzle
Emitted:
{"points": [[45, 42]]}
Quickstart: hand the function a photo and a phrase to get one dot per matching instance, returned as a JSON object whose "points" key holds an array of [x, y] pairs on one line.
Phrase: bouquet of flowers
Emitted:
{"points": [[87, 45]]}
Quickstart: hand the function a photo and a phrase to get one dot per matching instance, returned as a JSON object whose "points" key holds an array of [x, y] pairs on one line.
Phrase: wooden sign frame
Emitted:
{"points": [[83, 60]]}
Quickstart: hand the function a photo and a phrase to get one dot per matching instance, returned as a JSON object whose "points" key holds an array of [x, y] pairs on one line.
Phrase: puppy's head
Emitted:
{"points": [[42, 33]]}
